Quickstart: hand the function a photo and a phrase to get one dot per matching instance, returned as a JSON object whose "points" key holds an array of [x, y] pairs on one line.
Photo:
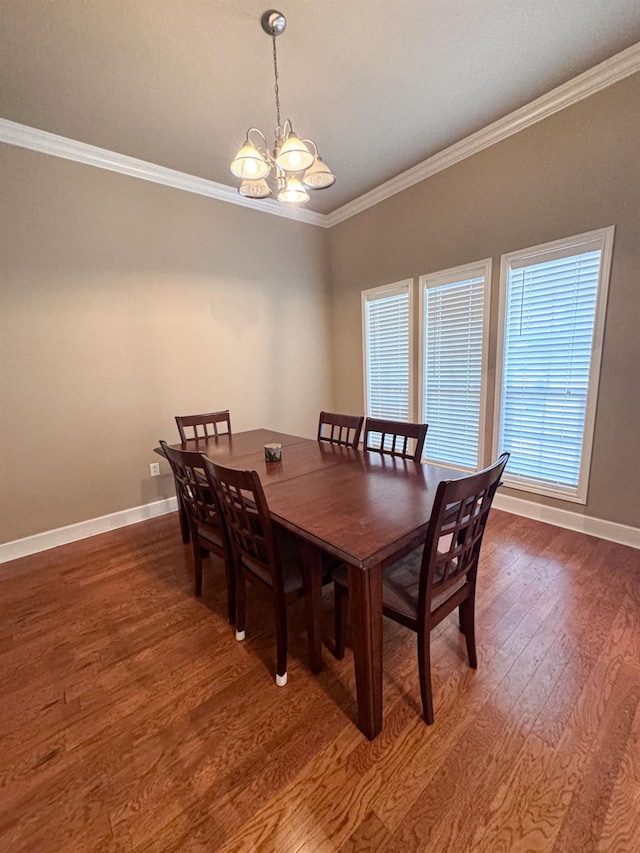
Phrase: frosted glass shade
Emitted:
{"points": [[318, 176], [294, 156], [255, 189], [293, 191], [248, 164]]}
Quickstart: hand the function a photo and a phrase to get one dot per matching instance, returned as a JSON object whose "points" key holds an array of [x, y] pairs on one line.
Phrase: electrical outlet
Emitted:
{"points": [[154, 469]]}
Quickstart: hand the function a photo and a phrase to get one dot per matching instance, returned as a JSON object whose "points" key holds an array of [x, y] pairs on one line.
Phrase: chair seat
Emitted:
{"points": [[288, 549], [214, 535], [400, 584]]}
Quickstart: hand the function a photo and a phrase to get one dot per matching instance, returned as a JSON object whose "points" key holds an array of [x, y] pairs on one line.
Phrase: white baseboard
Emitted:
{"points": [[84, 529], [610, 530]]}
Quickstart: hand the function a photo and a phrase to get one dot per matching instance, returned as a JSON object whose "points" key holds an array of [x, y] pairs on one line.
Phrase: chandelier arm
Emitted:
{"points": [[260, 133], [268, 158], [315, 147], [283, 131]]}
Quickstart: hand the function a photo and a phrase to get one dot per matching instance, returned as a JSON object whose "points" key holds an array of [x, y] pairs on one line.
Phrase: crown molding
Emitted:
{"points": [[599, 77], [80, 152]]}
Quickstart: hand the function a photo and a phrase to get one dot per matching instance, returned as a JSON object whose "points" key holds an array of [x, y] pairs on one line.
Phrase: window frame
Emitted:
{"points": [[371, 295], [589, 241], [452, 275]]}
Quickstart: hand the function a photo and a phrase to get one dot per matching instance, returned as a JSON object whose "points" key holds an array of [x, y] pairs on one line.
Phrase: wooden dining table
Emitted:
{"points": [[363, 507]]}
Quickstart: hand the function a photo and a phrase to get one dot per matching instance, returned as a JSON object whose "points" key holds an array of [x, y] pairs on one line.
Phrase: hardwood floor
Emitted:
{"points": [[131, 719]]}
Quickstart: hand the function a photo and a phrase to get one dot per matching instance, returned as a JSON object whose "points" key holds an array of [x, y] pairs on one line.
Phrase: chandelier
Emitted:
{"points": [[293, 166]]}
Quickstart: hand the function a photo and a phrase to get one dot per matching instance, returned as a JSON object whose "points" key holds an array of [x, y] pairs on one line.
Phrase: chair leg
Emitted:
{"points": [[280, 606], [311, 567], [198, 554], [230, 574], [468, 624], [341, 608], [424, 670], [241, 604], [184, 520]]}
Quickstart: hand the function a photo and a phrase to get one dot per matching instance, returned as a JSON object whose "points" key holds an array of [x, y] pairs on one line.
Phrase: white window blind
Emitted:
{"points": [[387, 344], [453, 332], [548, 383]]}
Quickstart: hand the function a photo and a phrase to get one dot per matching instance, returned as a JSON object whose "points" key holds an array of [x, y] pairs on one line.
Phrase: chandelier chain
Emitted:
{"points": [[275, 74]]}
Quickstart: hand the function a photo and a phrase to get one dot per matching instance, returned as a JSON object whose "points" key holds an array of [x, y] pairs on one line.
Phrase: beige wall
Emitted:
{"points": [[574, 172], [124, 303]]}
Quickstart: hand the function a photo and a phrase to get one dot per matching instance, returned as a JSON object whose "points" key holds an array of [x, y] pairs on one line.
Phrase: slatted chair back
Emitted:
{"points": [[203, 426], [192, 486], [243, 505], [454, 536], [340, 429], [197, 504], [395, 438]]}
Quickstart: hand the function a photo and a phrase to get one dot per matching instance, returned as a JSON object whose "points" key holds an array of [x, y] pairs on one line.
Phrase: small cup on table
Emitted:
{"points": [[273, 452]]}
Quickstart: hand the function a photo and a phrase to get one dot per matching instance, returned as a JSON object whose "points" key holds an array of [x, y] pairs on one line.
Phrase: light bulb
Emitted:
{"points": [[249, 163], [294, 156], [293, 191]]}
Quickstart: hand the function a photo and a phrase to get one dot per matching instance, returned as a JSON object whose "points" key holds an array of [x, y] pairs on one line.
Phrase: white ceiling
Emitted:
{"points": [[379, 86]]}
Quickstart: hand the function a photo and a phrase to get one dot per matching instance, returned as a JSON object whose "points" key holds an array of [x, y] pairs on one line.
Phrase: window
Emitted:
{"points": [[552, 303], [453, 335], [386, 314]]}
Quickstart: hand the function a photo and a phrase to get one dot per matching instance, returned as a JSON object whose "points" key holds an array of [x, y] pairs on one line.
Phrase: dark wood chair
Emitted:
{"points": [[340, 429], [427, 584], [203, 426], [267, 555], [395, 438], [198, 426], [206, 526]]}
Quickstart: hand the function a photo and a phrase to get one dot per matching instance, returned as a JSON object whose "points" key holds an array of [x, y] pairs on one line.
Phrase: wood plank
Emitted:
{"points": [[130, 718]]}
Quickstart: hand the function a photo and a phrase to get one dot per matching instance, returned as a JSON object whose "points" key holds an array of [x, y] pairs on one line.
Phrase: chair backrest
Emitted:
{"points": [[340, 429], [396, 438], [454, 536], [203, 426], [192, 486], [243, 505]]}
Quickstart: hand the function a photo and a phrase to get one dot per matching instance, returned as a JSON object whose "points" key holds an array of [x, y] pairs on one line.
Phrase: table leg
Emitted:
{"points": [[311, 564], [365, 607], [184, 522]]}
